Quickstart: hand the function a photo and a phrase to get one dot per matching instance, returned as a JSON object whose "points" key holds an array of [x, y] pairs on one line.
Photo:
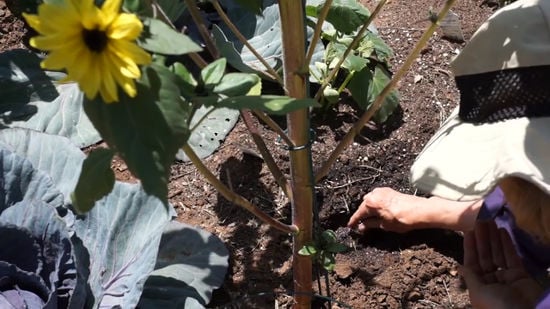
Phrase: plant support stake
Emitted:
{"points": [[301, 178]]}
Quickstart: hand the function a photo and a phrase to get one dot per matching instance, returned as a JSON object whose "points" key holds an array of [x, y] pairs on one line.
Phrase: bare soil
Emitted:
{"points": [[382, 270]]}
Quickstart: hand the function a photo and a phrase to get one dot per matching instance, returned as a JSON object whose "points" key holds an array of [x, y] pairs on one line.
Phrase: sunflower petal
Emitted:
{"points": [[125, 26], [110, 10]]}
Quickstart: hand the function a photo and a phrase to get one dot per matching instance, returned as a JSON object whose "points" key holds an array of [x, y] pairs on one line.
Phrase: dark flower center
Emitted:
{"points": [[95, 39]]}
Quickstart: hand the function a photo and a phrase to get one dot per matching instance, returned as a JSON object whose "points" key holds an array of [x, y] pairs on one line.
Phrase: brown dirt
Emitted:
{"points": [[383, 270]]}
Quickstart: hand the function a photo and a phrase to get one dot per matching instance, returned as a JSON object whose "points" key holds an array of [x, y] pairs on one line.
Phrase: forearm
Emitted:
{"points": [[436, 212]]}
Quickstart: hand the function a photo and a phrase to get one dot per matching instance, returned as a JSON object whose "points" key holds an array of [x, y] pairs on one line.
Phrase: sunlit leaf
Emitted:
{"points": [[278, 105], [158, 37]]}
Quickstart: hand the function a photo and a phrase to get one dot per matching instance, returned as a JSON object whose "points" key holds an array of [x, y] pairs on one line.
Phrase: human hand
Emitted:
{"points": [[387, 209], [493, 271]]}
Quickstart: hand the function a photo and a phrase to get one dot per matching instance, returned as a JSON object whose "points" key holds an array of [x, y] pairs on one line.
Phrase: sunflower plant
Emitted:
{"points": [[149, 73]]}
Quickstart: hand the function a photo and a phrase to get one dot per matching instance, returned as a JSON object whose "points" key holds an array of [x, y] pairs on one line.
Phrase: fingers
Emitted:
{"points": [[495, 245], [484, 247], [472, 279], [368, 208], [470, 252], [511, 257]]}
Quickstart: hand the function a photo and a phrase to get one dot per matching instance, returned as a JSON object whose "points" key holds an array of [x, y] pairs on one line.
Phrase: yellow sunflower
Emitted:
{"points": [[94, 45]]}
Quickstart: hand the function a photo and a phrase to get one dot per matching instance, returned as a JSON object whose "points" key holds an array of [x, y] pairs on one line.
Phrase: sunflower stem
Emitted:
{"points": [[203, 30], [234, 197], [274, 126], [318, 29], [266, 154]]}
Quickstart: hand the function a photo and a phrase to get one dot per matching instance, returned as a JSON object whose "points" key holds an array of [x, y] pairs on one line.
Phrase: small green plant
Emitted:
{"points": [[324, 249]]}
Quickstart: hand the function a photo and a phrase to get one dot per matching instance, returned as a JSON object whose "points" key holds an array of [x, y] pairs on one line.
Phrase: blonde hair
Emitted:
{"points": [[530, 206]]}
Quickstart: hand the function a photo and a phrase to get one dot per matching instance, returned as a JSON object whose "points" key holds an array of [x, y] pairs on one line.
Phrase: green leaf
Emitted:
{"points": [[191, 263], [365, 96], [96, 180], [381, 79], [146, 131], [277, 105], [187, 82], [31, 99], [158, 37], [22, 181], [236, 84], [255, 6], [336, 247], [121, 237], [359, 86], [345, 15], [329, 236], [211, 131], [263, 33], [331, 95], [329, 262], [212, 74], [308, 251], [55, 155]]}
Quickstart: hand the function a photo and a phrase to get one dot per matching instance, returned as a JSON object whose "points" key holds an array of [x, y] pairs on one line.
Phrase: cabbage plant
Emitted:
{"points": [[53, 257]]}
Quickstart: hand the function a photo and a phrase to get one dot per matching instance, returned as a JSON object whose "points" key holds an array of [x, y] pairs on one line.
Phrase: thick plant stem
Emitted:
{"points": [[293, 32], [264, 151], [233, 197], [367, 115]]}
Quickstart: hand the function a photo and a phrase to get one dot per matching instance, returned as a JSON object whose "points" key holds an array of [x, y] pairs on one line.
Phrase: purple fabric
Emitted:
{"points": [[544, 301], [535, 256]]}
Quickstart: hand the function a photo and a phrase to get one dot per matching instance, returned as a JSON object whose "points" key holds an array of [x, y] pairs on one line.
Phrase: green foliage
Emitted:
{"points": [[146, 131], [324, 249], [34, 178], [255, 6], [345, 15], [277, 105], [158, 37], [96, 180], [365, 65], [365, 96], [32, 99]]}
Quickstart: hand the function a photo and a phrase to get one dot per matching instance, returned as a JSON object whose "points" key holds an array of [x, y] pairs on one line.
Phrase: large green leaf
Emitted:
{"points": [[345, 15], [158, 37], [52, 154], [120, 235], [32, 99], [365, 95], [21, 181], [235, 84], [191, 264], [263, 32], [148, 130], [211, 131]]}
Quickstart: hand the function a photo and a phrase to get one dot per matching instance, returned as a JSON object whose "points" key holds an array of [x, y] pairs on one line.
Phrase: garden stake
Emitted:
{"points": [[294, 44]]}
